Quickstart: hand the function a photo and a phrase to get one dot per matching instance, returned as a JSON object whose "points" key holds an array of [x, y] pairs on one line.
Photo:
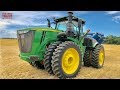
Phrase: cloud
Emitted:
{"points": [[82, 12], [8, 34], [33, 18], [3, 25], [116, 19], [24, 19], [112, 12], [115, 16], [4, 22]]}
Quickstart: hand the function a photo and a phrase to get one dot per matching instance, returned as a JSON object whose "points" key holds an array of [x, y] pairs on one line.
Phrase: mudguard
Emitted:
{"points": [[92, 39], [90, 42]]}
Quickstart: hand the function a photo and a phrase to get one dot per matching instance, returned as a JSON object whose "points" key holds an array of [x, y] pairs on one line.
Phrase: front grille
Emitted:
{"points": [[25, 39]]}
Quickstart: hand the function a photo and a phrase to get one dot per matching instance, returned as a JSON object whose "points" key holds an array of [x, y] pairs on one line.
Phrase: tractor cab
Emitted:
{"points": [[70, 25]]}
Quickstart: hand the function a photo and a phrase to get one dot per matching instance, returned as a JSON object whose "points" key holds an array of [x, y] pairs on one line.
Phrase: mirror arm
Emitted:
{"points": [[48, 23]]}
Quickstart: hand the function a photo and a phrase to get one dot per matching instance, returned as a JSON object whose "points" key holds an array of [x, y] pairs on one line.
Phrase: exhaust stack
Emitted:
{"points": [[70, 13]]}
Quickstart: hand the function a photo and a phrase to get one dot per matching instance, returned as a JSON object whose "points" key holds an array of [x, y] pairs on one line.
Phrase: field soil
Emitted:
{"points": [[12, 67]]}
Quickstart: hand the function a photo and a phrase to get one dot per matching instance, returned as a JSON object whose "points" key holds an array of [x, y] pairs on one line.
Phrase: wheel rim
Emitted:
{"points": [[70, 61], [101, 57]]}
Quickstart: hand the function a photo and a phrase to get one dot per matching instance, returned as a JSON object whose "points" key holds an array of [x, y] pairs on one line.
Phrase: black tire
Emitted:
{"points": [[57, 60], [37, 64], [87, 57], [95, 56], [48, 56]]}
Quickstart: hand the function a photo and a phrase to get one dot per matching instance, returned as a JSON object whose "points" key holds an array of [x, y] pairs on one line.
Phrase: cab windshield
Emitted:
{"points": [[64, 25]]}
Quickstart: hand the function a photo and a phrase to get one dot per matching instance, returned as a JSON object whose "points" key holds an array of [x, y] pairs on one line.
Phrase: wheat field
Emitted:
{"points": [[12, 67]]}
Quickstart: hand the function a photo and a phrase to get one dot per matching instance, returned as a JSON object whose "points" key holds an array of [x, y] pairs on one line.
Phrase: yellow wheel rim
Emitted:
{"points": [[101, 57], [70, 61]]}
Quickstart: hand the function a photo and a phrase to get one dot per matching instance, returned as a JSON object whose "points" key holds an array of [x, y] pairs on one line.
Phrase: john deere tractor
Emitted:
{"points": [[61, 48]]}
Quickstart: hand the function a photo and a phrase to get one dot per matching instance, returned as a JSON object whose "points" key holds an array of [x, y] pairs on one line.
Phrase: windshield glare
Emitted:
{"points": [[63, 25]]}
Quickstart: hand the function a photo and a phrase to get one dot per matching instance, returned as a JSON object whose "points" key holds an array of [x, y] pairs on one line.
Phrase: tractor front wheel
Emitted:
{"points": [[66, 60]]}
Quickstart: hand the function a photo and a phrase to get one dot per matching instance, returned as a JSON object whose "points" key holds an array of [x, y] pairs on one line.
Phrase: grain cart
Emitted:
{"points": [[62, 48]]}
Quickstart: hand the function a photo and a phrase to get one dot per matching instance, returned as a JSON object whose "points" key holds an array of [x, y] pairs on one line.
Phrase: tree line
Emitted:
{"points": [[112, 40]]}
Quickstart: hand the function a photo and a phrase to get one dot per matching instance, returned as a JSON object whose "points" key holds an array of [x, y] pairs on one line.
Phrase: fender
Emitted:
{"points": [[90, 42], [94, 42]]}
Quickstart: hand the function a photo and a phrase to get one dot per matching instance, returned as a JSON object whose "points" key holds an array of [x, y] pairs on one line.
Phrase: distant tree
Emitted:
{"points": [[112, 40]]}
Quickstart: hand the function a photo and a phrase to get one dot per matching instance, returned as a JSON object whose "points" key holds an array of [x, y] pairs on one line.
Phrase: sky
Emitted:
{"points": [[105, 22]]}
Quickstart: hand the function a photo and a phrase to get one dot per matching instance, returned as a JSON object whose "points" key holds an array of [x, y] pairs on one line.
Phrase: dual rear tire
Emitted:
{"points": [[94, 57], [63, 59]]}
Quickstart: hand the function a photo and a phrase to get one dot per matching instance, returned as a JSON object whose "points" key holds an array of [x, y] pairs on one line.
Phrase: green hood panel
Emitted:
{"points": [[44, 29]]}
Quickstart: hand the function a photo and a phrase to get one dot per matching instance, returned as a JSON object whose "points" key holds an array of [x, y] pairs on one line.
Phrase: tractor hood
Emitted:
{"points": [[33, 41], [43, 29]]}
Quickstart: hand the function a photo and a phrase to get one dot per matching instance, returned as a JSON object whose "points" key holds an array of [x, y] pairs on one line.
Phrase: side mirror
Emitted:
{"points": [[49, 25]]}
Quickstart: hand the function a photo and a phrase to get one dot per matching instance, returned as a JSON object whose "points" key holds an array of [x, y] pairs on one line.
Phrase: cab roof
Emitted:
{"points": [[66, 18]]}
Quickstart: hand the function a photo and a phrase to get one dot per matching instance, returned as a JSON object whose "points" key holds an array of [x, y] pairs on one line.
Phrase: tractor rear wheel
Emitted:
{"points": [[66, 60], [48, 56], [87, 57], [37, 64], [98, 56]]}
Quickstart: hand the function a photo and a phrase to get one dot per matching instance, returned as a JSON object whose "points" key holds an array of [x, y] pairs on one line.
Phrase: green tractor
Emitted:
{"points": [[62, 48]]}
